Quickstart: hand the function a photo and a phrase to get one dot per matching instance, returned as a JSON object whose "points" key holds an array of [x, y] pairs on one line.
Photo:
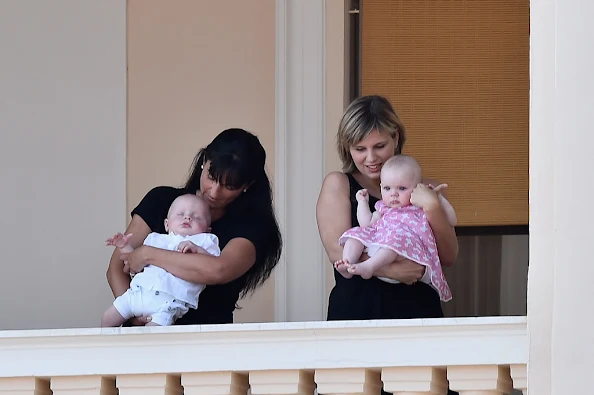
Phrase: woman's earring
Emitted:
{"points": [[202, 167], [245, 190]]}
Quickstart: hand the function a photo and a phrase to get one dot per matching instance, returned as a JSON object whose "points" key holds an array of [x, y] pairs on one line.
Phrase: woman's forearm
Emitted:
{"points": [[445, 235], [118, 281], [405, 271], [196, 268]]}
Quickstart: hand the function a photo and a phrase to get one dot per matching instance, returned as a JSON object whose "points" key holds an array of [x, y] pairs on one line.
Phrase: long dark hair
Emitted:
{"points": [[237, 159]]}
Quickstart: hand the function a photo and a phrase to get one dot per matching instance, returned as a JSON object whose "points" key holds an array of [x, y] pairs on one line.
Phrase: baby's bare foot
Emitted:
{"points": [[361, 269], [342, 267]]}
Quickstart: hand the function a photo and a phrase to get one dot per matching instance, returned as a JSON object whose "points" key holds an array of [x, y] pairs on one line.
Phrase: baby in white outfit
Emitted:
{"points": [[155, 292]]}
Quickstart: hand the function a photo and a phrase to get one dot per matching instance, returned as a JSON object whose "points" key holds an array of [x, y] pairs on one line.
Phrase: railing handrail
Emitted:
{"points": [[250, 347]]}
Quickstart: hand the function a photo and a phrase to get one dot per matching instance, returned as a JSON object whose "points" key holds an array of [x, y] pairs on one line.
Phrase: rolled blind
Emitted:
{"points": [[457, 72]]}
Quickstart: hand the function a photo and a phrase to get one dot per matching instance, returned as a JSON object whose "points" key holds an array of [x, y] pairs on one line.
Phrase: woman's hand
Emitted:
{"points": [[138, 321], [135, 261], [441, 219], [405, 271], [424, 197]]}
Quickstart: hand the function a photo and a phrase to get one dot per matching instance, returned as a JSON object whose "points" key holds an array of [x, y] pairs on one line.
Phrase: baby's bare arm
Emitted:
{"points": [[375, 217], [122, 242]]}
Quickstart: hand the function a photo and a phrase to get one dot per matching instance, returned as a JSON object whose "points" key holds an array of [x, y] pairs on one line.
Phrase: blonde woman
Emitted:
{"points": [[369, 134]]}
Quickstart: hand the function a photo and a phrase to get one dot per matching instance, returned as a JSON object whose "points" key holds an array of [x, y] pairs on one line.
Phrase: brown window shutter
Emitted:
{"points": [[457, 73]]}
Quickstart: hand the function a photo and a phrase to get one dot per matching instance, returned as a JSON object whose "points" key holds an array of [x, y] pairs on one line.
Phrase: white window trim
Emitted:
{"points": [[300, 133]]}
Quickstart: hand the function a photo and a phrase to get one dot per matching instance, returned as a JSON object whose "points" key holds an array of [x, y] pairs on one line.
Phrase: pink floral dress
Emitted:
{"points": [[406, 231]]}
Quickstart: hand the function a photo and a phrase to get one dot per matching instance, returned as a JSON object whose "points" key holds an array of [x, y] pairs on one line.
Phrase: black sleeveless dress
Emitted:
{"points": [[359, 299]]}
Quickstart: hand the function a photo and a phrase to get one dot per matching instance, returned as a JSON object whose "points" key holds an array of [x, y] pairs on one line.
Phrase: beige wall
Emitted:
{"points": [[194, 69], [62, 158]]}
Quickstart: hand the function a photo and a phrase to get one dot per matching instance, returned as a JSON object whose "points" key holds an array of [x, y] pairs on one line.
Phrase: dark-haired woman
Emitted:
{"points": [[230, 175]]}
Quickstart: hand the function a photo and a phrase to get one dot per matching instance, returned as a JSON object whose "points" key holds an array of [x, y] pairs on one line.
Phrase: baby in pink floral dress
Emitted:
{"points": [[396, 230]]}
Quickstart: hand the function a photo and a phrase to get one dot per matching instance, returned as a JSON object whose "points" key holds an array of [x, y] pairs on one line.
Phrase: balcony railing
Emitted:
{"points": [[476, 355]]}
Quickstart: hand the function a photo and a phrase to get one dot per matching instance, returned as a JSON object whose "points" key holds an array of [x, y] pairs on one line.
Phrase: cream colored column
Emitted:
{"points": [[338, 24], [282, 382], [418, 380], [560, 320], [480, 380], [348, 381], [83, 385], [24, 386], [149, 384], [299, 164], [215, 383]]}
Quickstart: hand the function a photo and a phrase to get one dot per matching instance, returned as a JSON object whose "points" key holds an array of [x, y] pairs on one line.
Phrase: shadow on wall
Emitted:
{"points": [[490, 277]]}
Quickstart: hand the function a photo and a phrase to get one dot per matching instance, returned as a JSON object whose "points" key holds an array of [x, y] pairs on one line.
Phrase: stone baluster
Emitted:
{"points": [[421, 380], [24, 386], [149, 384], [348, 381], [215, 383], [83, 385], [519, 374], [282, 382], [480, 379]]}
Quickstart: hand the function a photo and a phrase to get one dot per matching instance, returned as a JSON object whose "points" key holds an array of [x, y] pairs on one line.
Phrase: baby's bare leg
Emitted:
{"points": [[365, 269], [112, 318], [351, 253]]}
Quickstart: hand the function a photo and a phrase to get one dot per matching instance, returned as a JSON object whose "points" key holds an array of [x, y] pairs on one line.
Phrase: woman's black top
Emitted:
{"points": [[217, 302], [359, 299]]}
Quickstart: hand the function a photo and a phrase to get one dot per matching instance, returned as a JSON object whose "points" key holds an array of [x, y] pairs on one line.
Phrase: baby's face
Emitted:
{"points": [[397, 185], [188, 216]]}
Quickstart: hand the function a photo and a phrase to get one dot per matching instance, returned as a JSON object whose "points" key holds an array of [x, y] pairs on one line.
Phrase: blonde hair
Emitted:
{"points": [[363, 116]]}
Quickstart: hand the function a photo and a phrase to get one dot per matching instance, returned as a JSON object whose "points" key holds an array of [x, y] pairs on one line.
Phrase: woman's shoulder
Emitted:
{"points": [[335, 180], [154, 205], [336, 183], [246, 221], [335, 188], [244, 224]]}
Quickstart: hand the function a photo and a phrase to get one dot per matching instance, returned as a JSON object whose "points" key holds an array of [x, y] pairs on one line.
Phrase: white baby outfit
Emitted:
{"points": [[158, 293]]}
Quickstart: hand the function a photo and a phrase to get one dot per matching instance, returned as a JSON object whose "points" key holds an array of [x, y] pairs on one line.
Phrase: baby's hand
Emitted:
{"points": [[187, 247], [119, 240], [362, 196]]}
